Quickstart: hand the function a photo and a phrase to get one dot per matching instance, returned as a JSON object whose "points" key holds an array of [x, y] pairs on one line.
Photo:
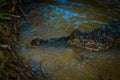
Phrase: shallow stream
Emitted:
{"points": [[57, 20]]}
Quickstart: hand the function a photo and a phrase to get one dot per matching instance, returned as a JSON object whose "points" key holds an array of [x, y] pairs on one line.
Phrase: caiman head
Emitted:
{"points": [[37, 42]]}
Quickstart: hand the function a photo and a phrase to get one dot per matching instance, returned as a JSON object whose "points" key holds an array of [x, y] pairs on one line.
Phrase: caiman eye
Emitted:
{"points": [[35, 42]]}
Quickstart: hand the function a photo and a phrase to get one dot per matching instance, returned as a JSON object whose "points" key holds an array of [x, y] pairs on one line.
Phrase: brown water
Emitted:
{"points": [[57, 20]]}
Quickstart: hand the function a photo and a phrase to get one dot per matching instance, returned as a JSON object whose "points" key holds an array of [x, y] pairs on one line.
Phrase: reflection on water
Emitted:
{"points": [[57, 20]]}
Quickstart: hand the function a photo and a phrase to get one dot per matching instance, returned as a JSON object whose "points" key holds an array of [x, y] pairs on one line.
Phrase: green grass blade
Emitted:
{"points": [[7, 14], [2, 64], [4, 17], [4, 25], [3, 4]]}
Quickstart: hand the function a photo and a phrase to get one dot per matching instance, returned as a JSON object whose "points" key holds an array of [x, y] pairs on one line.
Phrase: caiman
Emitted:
{"points": [[101, 39]]}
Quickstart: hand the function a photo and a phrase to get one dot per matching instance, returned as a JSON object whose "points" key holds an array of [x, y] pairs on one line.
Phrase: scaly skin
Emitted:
{"points": [[100, 39]]}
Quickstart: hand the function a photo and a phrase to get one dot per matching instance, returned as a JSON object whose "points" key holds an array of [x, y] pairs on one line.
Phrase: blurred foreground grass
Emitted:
{"points": [[11, 64]]}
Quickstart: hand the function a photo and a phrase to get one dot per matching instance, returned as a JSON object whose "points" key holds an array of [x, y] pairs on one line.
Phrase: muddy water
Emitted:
{"points": [[56, 20]]}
